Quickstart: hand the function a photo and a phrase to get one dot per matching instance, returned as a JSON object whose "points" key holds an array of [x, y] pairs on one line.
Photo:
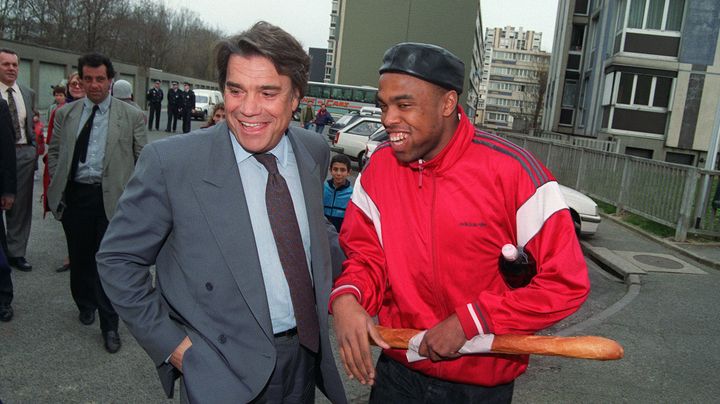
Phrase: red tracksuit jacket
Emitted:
{"points": [[423, 242]]}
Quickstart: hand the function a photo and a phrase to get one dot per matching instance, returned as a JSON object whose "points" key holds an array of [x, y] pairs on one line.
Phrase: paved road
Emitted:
{"points": [[669, 328]]}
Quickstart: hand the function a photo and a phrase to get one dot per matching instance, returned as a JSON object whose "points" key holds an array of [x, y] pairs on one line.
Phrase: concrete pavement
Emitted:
{"points": [[645, 295]]}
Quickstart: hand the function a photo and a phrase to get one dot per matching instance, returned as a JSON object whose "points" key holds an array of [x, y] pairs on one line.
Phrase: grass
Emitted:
{"points": [[649, 226]]}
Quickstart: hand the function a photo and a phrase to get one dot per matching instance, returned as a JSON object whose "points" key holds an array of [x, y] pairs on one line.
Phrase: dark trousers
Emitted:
{"points": [[172, 118], [293, 380], [394, 383], [85, 222], [154, 113], [6, 286], [186, 117]]}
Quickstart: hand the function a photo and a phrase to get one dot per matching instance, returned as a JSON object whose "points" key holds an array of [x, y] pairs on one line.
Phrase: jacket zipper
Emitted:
{"points": [[440, 298], [420, 172]]}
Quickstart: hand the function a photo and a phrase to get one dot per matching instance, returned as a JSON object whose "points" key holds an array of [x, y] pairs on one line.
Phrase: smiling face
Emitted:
{"points": [[339, 173], [8, 68], [417, 115], [258, 102], [75, 87], [96, 83]]}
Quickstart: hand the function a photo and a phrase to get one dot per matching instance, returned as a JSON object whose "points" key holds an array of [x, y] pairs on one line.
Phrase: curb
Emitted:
{"points": [[700, 259], [608, 261]]}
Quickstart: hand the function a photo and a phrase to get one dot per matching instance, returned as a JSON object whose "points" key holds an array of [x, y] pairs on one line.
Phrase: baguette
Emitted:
{"points": [[587, 347]]}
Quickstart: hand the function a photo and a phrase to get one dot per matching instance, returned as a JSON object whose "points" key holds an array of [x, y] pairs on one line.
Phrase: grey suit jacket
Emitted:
{"points": [[185, 211], [29, 100], [125, 139]]}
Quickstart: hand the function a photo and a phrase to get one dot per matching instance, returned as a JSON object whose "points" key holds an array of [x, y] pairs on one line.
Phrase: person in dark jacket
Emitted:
{"points": [[337, 190], [8, 184], [174, 99], [322, 118], [155, 96], [188, 104]]}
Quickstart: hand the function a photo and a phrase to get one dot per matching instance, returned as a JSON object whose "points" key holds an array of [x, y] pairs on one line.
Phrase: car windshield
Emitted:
{"points": [[201, 99], [345, 119], [380, 136]]}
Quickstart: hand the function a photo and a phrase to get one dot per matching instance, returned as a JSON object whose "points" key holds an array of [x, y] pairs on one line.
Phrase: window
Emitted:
{"points": [[577, 37], [365, 128], [644, 90], [680, 158], [569, 94], [581, 7], [494, 116], [664, 15], [639, 152]]}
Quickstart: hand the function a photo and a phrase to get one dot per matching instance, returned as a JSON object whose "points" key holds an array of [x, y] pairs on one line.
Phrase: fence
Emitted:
{"points": [[666, 193]]}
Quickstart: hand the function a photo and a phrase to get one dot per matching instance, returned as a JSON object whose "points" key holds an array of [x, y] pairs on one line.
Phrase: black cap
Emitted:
{"points": [[174, 82], [426, 62]]}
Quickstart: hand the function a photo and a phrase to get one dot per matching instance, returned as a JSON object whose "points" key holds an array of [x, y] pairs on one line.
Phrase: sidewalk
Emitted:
{"points": [[667, 322]]}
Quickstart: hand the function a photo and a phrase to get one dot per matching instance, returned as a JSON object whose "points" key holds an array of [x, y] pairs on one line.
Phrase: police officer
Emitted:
{"points": [[187, 107], [175, 99], [155, 97]]}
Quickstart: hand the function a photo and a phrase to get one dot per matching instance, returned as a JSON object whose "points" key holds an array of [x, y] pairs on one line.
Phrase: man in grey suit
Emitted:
{"points": [[229, 310], [92, 154], [21, 103]]}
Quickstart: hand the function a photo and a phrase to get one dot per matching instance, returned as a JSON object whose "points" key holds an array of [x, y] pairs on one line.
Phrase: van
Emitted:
{"points": [[205, 101]]}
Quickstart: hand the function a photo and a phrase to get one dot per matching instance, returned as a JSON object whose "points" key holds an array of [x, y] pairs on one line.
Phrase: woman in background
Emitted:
{"points": [[217, 116]]}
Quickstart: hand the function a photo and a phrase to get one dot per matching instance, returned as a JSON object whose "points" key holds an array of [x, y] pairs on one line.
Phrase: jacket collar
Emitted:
{"points": [[453, 150]]}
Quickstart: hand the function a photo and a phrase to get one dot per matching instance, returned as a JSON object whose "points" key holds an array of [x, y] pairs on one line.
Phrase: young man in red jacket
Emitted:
{"points": [[423, 233]]}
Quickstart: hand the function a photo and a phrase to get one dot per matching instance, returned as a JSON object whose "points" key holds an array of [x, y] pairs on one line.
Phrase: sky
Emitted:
{"points": [[309, 20]]}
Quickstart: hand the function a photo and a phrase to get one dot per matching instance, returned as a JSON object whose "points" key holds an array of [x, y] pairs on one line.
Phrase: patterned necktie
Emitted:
{"points": [[286, 232], [13, 113], [81, 145]]}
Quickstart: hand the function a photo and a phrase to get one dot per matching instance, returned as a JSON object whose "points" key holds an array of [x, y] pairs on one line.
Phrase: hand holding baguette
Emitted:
{"points": [[586, 347]]}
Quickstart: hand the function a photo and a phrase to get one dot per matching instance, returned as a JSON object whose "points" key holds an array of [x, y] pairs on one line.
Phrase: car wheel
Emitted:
{"points": [[576, 221]]}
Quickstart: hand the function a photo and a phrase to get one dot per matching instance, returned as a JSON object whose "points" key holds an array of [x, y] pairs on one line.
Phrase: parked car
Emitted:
{"points": [[374, 141], [584, 211], [351, 139], [205, 101], [350, 118]]}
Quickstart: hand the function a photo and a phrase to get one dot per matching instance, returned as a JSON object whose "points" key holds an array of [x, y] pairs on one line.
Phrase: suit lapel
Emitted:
{"points": [[27, 95], [222, 199], [310, 174], [114, 130], [71, 126]]}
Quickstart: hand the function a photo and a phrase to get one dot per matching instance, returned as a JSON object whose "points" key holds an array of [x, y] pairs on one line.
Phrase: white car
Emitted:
{"points": [[351, 139], [584, 211], [205, 101], [373, 142]]}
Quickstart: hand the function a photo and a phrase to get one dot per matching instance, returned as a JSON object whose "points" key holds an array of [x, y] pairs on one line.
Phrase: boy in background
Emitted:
{"points": [[338, 190]]}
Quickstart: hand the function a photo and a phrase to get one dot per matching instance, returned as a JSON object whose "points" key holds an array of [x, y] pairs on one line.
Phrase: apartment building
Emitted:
{"points": [[362, 30], [643, 72], [513, 79]]}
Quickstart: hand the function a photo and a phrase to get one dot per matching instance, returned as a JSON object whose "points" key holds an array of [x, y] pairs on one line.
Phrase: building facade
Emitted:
{"points": [[362, 30], [317, 63], [513, 79], [643, 72], [475, 81]]}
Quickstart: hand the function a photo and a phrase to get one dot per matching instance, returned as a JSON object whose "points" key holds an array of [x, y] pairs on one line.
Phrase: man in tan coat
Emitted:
{"points": [[92, 155]]}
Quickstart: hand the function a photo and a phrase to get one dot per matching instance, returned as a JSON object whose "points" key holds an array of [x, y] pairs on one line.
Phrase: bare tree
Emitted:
{"points": [[528, 112], [141, 32]]}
